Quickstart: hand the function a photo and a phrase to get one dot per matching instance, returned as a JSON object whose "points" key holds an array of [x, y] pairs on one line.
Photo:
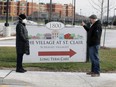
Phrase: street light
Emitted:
{"points": [[106, 24], [80, 15], [80, 11], [108, 11], [7, 29], [32, 10], [114, 12], [50, 14], [74, 11], [7, 11], [114, 16]]}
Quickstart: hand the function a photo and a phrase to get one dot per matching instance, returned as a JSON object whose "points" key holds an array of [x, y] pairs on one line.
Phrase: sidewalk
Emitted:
{"points": [[55, 79], [8, 38]]}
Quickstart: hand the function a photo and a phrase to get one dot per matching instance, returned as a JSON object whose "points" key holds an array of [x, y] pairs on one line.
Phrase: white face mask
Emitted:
{"points": [[24, 21]]}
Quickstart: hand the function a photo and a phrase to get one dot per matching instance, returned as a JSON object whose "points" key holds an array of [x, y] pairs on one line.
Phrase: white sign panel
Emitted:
{"points": [[56, 43]]}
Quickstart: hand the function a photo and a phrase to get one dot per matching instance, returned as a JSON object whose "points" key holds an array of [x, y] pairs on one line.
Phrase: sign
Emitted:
{"points": [[56, 43]]}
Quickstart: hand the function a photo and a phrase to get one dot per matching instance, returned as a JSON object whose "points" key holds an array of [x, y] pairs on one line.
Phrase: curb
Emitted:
{"points": [[7, 38]]}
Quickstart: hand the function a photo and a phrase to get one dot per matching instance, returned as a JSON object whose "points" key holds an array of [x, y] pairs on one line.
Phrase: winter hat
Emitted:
{"points": [[93, 16], [22, 16]]}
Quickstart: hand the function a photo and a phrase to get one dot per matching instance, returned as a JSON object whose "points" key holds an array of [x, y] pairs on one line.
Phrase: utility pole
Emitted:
{"points": [[114, 15], [32, 10], [6, 30], [108, 12], [7, 12], [80, 11], [26, 7], [114, 12], [81, 15], [50, 14], [74, 11], [106, 24]]}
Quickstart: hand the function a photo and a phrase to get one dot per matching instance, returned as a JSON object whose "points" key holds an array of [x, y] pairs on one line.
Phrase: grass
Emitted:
{"points": [[107, 61]]}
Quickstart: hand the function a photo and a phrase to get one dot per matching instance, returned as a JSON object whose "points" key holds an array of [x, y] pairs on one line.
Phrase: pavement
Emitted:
{"points": [[9, 78], [7, 38]]}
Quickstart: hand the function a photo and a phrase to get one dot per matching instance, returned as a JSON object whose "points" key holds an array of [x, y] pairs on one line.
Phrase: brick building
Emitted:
{"points": [[42, 7], [21, 7], [16, 8], [12, 8], [62, 10], [56, 8], [29, 8], [68, 10]]}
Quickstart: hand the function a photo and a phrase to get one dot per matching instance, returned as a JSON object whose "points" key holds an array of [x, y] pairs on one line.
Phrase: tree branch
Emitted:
{"points": [[100, 1], [94, 6]]}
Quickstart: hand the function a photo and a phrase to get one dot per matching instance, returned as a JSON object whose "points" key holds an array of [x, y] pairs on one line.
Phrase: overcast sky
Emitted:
{"points": [[84, 5]]}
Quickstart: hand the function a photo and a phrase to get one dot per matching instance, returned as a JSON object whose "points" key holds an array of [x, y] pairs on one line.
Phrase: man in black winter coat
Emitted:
{"points": [[22, 42], [94, 37]]}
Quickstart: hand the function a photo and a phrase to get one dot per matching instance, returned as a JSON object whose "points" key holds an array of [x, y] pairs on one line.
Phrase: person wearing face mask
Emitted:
{"points": [[22, 42], [94, 37]]}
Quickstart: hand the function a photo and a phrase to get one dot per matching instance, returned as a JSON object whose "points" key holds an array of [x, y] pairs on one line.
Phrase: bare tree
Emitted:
{"points": [[101, 6]]}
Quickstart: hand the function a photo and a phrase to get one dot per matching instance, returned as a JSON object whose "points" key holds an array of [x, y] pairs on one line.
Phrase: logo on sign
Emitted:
{"points": [[55, 25]]}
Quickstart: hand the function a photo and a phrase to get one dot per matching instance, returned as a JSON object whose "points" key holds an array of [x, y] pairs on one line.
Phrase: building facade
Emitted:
{"points": [[12, 8], [32, 8], [42, 7], [56, 8], [68, 10], [29, 8], [21, 7]]}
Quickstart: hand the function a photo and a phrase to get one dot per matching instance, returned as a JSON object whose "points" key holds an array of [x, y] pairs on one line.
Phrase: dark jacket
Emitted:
{"points": [[94, 33], [22, 42]]}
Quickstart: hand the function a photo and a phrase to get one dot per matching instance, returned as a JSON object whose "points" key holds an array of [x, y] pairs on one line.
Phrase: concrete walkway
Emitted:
{"points": [[8, 38], [55, 79]]}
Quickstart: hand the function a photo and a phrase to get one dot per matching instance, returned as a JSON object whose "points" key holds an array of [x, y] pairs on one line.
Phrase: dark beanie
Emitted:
{"points": [[93, 16], [22, 16]]}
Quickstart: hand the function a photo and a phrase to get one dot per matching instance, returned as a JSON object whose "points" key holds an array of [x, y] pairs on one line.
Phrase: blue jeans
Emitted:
{"points": [[94, 57]]}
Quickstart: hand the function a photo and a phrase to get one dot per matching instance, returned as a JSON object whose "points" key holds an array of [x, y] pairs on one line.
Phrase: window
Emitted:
{"points": [[22, 4]]}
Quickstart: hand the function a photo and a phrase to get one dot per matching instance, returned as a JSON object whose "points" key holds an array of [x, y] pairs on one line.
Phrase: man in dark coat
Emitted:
{"points": [[22, 42], [94, 37]]}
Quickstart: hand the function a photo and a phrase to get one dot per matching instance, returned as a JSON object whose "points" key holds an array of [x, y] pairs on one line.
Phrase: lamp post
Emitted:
{"points": [[80, 11], [81, 19], [106, 24], [50, 14], [114, 14], [32, 10], [7, 29], [7, 12], [108, 11], [114, 11], [74, 11]]}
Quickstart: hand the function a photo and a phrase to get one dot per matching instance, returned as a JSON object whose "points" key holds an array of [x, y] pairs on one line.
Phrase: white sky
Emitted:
{"points": [[85, 5]]}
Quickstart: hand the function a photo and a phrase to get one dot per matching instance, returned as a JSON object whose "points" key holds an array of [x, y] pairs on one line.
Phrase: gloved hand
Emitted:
{"points": [[27, 51]]}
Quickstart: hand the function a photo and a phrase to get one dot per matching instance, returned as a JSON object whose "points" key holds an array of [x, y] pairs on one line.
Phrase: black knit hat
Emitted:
{"points": [[93, 16], [22, 16]]}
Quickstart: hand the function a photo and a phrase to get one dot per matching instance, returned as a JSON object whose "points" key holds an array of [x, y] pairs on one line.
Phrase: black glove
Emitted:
{"points": [[27, 51]]}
